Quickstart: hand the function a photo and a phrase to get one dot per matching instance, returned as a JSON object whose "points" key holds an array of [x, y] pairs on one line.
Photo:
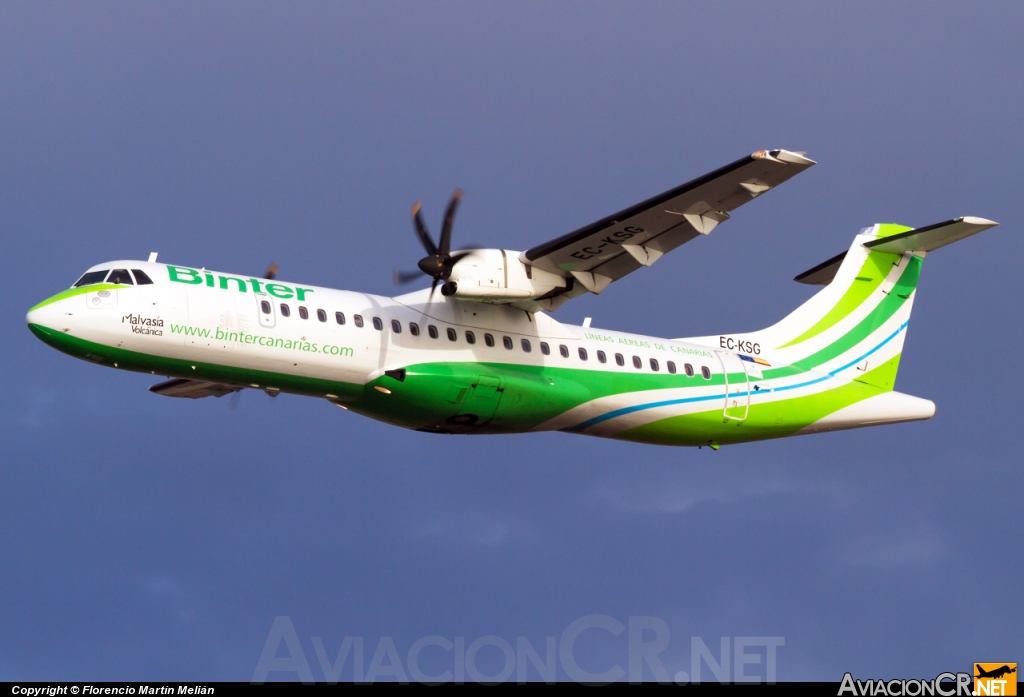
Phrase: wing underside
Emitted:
{"points": [[192, 389]]}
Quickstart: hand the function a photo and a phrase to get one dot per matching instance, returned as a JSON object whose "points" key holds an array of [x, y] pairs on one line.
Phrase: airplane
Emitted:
{"points": [[994, 673], [485, 355]]}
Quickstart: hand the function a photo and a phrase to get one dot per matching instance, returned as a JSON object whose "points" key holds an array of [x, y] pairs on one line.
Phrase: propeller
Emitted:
{"points": [[439, 261]]}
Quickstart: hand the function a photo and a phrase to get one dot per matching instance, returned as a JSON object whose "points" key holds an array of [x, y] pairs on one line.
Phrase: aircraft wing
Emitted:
{"points": [[192, 389], [606, 250]]}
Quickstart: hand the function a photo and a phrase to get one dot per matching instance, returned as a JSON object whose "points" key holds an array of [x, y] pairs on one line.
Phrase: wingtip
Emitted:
{"points": [[981, 222], [788, 157]]}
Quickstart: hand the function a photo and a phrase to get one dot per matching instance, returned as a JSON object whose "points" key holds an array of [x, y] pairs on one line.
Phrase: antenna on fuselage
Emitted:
{"points": [[152, 257]]}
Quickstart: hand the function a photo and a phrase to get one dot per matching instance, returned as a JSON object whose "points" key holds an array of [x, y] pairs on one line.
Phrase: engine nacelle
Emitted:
{"points": [[499, 276]]}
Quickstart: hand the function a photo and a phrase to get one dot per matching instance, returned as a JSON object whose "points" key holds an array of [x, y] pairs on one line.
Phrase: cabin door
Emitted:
{"points": [[737, 386], [265, 310]]}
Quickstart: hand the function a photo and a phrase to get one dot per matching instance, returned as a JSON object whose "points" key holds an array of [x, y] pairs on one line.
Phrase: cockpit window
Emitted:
{"points": [[141, 278], [91, 278], [120, 277]]}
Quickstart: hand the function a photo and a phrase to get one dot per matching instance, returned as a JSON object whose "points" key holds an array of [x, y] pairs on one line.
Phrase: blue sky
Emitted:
{"points": [[151, 538]]}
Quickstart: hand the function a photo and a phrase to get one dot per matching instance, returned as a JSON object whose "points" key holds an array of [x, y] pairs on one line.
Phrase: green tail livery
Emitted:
{"points": [[479, 351]]}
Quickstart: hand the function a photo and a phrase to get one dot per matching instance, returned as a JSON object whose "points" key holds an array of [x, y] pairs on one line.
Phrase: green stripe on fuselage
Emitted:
{"points": [[892, 302], [767, 420], [72, 292], [875, 269], [192, 370], [530, 395]]}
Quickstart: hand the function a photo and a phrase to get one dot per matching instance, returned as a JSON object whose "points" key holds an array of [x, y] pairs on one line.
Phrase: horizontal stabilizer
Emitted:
{"points": [[920, 240], [926, 239], [192, 389], [823, 273]]}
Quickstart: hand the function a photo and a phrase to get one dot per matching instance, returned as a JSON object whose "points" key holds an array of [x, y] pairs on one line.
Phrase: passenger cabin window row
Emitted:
{"points": [[506, 341]]}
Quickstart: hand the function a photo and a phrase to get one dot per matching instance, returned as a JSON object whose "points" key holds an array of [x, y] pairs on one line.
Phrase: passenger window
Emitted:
{"points": [[358, 319], [470, 337], [706, 372], [526, 345], [303, 312], [488, 339], [452, 336], [507, 342], [619, 360], [285, 310], [544, 348], [654, 365], [601, 357], [671, 367], [432, 331], [339, 317], [265, 306], [564, 350], [91, 278], [637, 363], [321, 315], [688, 369], [396, 326], [120, 277], [141, 279], [583, 354], [414, 329], [378, 324]]}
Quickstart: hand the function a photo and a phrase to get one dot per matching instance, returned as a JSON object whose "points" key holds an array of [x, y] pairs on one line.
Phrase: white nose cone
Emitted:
{"points": [[40, 316], [46, 315]]}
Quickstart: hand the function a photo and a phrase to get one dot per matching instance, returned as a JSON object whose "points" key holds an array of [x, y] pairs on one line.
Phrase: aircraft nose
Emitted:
{"points": [[44, 315]]}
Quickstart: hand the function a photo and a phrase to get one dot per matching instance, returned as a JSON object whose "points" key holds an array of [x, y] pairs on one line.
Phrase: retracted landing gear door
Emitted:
{"points": [[483, 398]]}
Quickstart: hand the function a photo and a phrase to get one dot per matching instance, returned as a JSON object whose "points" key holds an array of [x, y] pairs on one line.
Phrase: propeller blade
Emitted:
{"points": [[402, 277], [271, 272], [421, 230], [432, 287], [445, 245], [233, 400]]}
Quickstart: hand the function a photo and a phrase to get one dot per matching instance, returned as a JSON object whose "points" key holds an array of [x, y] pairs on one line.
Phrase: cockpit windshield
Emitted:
{"points": [[120, 277], [91, 278]]}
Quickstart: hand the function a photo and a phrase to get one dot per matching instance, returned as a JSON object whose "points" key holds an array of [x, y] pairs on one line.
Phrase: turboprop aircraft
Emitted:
{"points": [[483, 355]]}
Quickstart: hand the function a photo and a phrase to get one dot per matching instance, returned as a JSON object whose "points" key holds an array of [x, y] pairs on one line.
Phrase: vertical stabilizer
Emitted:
{"points": [[859, 320]]}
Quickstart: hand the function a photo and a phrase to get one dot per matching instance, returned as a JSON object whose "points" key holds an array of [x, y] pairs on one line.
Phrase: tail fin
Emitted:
{"points": [[859, 320]]}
